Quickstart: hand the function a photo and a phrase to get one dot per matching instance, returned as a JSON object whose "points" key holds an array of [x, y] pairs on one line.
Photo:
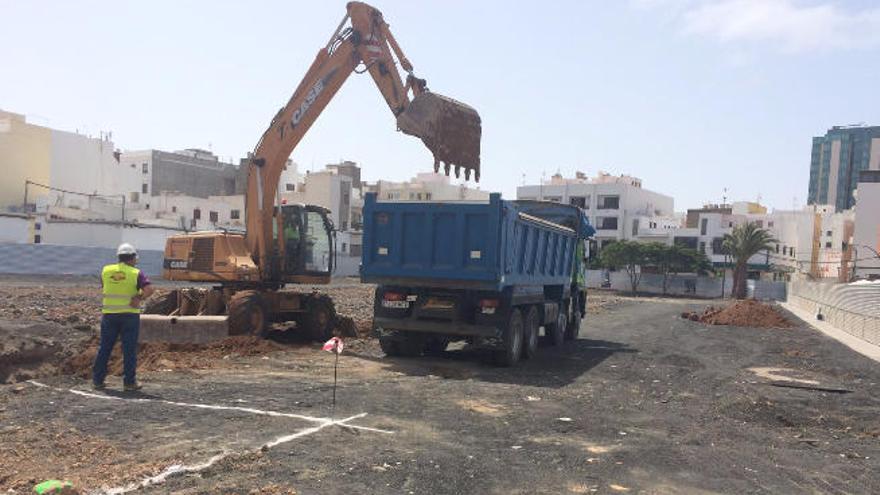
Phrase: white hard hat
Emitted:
{"points": [[126, 248]]}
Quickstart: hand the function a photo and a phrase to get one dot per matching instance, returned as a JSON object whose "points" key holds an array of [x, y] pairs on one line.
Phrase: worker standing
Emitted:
{"points": [[124, 288]]}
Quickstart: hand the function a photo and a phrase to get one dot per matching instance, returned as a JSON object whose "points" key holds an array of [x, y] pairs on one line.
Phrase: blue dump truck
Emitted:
{"points": [[491, 273]]}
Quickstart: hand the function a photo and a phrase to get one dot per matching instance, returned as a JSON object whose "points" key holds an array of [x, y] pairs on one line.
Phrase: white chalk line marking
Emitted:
{"points": [[250, 410], [176, 469]]}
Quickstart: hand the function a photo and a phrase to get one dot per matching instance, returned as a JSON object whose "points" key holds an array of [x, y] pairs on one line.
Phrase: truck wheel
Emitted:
{"points": [[248, 314], [530, 333], [389, 346], [436, 345], [320, 318], [574, 326], [402, 346], [513, 340], [556, 332]]}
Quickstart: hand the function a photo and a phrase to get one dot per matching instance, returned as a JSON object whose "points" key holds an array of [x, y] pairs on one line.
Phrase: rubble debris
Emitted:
{"points": [[160, 356], [42, 449], [35, 350], [745, 313]]}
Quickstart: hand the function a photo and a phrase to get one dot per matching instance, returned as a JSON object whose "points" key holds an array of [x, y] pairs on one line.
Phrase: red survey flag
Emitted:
{"points": [[334, 345]]}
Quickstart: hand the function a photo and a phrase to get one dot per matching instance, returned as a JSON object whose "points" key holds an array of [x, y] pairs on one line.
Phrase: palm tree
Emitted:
{"points": [[745, 241]]}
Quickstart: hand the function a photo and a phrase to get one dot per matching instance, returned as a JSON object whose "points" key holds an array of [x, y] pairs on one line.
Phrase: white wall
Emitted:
{"points": [[105, 235], [867, 228], [14, 228]]}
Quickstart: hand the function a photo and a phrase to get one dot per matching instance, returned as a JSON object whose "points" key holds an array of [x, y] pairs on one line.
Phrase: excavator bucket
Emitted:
{"points": [[449, 128]]}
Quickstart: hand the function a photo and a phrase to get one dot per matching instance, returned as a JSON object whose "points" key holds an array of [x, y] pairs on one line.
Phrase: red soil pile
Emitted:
{"points": [[746, 313], [155, 356]]}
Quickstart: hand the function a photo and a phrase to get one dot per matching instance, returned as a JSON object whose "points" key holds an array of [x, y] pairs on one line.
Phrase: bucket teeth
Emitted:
{"points": [[449, 128]]}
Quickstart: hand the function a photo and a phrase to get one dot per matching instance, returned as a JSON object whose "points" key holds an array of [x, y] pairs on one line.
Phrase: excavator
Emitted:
{"points": [[294, 244]]}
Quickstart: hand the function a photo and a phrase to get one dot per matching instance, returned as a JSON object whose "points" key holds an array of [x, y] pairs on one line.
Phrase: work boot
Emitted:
{"points": [[132, 387], [99, 386]]}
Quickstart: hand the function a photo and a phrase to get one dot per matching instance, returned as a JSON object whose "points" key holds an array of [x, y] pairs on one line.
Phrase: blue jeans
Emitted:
{"points": [[113, 326]]}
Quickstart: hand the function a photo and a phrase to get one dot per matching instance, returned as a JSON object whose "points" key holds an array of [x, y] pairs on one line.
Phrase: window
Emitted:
{"points": [[197, 214], [234, 215], [344, 245], [145, 188], [213, 216], [173, 209], [635, 230], [134, 165], [608, 202], [134, 197], [688, 242], [703, 247], [579, 201], [37, 239], [290, 187], [344, 225], [760, 224], [777, 248], [704, 225], [828, 233], [607, 223], [147, 206], [37, 226], [145, 168], [828, 245], [769, 224], [428, 196], [718, 245], [730, 224]]}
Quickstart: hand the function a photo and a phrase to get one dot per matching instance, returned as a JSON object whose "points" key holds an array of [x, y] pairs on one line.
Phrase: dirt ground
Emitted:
{"points": [[643, 402]]}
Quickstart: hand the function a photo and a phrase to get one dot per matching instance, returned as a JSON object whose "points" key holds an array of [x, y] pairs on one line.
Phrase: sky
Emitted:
{"points": [[692, 96]]}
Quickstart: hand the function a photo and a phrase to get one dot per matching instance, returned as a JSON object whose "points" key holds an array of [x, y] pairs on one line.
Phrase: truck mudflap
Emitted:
{"points": [[438, 327]]}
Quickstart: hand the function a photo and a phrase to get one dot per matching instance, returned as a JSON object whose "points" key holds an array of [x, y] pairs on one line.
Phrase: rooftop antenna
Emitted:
{"points": [[724, 196]]}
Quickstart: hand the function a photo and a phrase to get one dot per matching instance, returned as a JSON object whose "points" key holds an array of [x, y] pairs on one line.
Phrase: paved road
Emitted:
{"points": [[644, 402]]}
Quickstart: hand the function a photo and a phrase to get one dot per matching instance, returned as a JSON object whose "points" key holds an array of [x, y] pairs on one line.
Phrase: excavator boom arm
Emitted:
{"points": [[451, 130]]}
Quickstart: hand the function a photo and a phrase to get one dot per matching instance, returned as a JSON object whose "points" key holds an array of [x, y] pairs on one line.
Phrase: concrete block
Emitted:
{"points": [[183, 329]]}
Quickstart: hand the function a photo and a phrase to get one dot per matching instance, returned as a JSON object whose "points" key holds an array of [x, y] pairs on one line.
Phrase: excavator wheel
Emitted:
{"points": [[319, 320], [163, 304], [248, 314]]}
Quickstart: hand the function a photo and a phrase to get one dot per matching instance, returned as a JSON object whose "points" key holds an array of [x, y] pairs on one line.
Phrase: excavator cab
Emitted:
{"points": [[309, 240]]}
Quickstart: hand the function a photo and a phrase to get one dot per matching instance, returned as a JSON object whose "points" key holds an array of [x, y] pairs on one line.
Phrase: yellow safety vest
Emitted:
{"points": [[120, 285]]}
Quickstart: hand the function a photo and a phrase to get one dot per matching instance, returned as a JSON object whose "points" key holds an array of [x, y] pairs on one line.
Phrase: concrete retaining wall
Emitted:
{"points": [[852, 308]]}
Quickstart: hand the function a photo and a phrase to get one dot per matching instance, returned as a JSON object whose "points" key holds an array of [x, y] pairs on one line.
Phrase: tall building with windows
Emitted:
{"points": [[836, 160]]}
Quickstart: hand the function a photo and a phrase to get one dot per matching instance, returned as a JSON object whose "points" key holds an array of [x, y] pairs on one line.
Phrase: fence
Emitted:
{"points": [[48, 259], [685, 285], [852, 308]]}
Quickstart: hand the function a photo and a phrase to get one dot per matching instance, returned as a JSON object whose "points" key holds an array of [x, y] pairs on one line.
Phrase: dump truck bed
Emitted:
{"points": [[479, 245]]}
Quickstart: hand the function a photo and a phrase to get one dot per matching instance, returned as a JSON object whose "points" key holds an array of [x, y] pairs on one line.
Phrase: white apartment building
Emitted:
{"points": [[426, 187], [618, 206], [866, 235]]}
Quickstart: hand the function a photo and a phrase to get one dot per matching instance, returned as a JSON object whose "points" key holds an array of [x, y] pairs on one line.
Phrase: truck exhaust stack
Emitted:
{"points": [[449, 128]]}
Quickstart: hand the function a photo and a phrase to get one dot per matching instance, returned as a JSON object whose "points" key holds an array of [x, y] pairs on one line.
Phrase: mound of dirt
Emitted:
{"points": [[746, 313], [34, 350], [157, 356]]}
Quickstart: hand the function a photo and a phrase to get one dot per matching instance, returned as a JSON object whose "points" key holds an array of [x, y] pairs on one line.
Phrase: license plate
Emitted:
{"points": [[438, 303], [395, 304]]}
